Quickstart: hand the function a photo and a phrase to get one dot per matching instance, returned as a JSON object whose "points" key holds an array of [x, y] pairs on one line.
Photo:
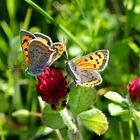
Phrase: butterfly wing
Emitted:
{"points": [[40, 56], [25, 38], [85, 78], [89, 78], [43, 38], [59, 49], [95, 61], [72, 70]]}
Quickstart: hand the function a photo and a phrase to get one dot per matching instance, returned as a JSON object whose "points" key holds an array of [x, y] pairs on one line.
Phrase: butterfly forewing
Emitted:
{"points": [[94, 61], [25, 38], [43, 38], [40, 55]]}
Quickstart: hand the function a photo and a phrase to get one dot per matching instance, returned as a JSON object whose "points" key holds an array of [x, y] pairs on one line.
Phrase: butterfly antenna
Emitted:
{"points": [[14, 68], [65, 48]]}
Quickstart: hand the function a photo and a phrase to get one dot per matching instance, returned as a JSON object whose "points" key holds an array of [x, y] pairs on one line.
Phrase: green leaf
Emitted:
{"points": [[134, 47], [2, 119], [94, 120], [3, 103], [52, 118], [115, 97], [81, 99], [116, 110], [126, 116]]}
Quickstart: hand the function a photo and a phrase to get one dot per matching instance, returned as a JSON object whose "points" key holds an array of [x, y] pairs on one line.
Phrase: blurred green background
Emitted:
{"points": [[95, 24]]}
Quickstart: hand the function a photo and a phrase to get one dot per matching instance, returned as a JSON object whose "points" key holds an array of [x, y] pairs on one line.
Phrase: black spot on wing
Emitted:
{"points": [[91, 58], [25, 49]]}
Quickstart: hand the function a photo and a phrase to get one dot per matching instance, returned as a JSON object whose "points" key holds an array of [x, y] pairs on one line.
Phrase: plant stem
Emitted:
{"points": [[27, 18], [136, 117], [121, 131], [129, 19], [68, 120], [80, 9], [62, 28], [131, 130], [73, 131], [59, 134], [2, 133]]}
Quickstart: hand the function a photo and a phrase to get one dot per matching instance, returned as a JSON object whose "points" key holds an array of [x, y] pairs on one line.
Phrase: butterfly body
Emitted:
{"points": [[39, 51], [84, 71], [72, 70]]}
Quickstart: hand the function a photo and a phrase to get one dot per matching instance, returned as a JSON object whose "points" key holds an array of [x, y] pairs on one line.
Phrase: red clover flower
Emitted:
{"points": [[53, 88], [134, 89]]}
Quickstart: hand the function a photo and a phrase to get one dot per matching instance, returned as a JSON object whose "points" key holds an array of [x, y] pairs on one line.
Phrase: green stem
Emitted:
{"points": [[73, 131], [27, 18], [136, 117], [129, 20], [2, 133], [59, 134], [131, 130], [80, 8], [62, 28], [121, 131], [6, 28], [68, 120]]}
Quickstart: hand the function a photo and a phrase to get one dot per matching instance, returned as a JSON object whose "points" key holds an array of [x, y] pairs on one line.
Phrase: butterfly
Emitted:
{"points": [[85, 71], [39, 51]]}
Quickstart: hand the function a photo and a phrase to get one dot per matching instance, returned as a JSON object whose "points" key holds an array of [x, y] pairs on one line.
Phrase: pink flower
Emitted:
{"points": [[134, 89], [52, 87]]}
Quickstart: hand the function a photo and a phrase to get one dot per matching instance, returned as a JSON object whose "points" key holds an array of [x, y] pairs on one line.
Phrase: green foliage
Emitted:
{"points": [[85, 27], [52, 118], [81, 99], [94, 120]]}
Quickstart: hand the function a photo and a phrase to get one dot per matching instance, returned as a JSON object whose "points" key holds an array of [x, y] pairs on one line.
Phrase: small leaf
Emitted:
{"points": [[126, 116], [114, 96], [2, 119], [81, 99], [52, 118], [134, 47], [116, 110], [94, 120], [3, 102]]}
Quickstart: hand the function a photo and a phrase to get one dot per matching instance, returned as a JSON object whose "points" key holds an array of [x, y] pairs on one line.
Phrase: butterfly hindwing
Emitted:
{"points": [[40, 56], [59, 48], [94, 61], [89, 78], [25, 38]]}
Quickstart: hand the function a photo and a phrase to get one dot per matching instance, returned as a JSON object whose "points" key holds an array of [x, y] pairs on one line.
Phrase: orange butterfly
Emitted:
{"points": [[39, 51], [85, 71]]}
